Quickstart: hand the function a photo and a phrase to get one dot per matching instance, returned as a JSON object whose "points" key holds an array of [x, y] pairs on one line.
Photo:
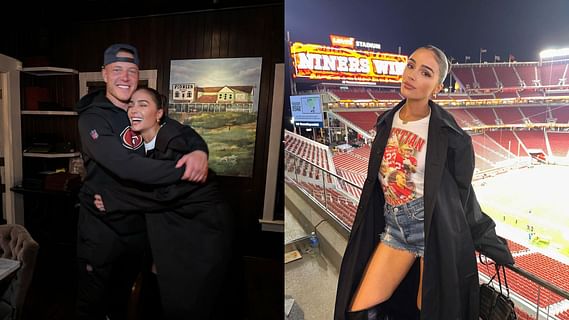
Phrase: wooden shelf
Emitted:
{"points": [[49, 71], [24, 190], [51, 155], [49, 113]]}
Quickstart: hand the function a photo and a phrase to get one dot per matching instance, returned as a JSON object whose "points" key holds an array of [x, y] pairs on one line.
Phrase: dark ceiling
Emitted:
{"points": [[42, 12], [27, 26]]}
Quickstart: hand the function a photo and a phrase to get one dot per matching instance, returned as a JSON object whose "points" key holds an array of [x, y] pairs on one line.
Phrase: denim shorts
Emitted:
{"points": [[404, 227]]}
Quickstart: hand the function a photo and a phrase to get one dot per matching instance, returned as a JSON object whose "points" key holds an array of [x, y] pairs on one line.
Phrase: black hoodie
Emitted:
{"points": [[185, 198], [113, 157]]}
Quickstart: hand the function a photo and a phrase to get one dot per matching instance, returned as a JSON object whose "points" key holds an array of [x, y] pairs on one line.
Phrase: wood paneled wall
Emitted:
{"points": [[239, 32]]}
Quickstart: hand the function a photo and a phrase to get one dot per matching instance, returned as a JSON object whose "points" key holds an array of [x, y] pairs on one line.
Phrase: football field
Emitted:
{"points": [[534, 200]]}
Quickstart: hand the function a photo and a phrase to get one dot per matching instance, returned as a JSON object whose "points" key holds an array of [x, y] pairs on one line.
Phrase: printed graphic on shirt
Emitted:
{"points": [[399, 164], [131, 140]]}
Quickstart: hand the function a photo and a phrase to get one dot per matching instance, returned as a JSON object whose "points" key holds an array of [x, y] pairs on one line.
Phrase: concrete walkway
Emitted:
{"points": [[310, 282]]}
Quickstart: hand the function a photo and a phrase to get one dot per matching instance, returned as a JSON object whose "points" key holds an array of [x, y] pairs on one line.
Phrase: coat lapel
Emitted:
{"points": [[434, 163], [383, 127]]}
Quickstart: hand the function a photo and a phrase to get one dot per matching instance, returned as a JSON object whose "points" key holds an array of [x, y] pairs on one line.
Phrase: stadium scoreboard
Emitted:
{"points": [[307, 110], [347, 59]]}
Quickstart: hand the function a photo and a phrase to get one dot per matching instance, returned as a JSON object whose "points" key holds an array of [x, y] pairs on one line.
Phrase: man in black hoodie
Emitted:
{"points": [[110, 248]]}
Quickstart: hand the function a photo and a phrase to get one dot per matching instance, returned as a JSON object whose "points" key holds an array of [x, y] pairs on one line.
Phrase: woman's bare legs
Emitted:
{"points": [[384, 272]]}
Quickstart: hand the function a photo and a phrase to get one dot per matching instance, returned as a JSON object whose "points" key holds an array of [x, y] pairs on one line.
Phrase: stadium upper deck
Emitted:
{"points": [[486, 83]]}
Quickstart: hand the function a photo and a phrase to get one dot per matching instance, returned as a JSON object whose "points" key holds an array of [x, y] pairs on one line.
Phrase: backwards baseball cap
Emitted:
{"points": [[111, 54]]}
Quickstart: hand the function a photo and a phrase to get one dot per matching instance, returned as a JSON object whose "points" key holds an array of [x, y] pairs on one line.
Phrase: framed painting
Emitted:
{"points": [[219, 98]]}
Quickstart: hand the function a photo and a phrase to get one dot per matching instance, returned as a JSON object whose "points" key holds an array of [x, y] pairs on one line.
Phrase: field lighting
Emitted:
{"points": [[554, 53]]}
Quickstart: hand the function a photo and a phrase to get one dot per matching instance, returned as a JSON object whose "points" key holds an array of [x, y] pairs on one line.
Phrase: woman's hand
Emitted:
{"points": [[99, 203]]}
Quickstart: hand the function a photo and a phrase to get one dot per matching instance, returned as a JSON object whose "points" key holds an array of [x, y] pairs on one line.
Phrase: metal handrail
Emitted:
{"points": [[538, 280], [324, 170]]}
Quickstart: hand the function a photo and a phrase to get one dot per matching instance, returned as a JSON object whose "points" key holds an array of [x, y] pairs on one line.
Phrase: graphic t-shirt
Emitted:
{"points": [[402, 170]]}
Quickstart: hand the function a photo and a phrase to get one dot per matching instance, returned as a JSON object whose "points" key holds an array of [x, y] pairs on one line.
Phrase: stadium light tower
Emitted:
{"points": [[554, 53], [482, 50]]}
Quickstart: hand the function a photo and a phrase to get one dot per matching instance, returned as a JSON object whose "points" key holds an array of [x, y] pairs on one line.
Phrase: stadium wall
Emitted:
{"points": [[333, 238]]}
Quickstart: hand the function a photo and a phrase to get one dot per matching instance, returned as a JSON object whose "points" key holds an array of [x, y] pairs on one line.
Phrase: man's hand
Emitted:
{"points": [[196, 166]]}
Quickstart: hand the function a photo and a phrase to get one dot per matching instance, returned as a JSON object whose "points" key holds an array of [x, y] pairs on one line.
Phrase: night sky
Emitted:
{"points": [[460, 27]]}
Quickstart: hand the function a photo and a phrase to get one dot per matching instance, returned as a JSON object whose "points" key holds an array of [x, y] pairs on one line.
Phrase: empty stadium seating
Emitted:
{"points": [[535, 114], [529, 93], [485, 77], [509, 115], [385, 95], [539, 265], [508, 141], [363, 119], [516, 247], [463, 117], [351, 162], [560, 114], [486, 115], [344, 208], [355, 178], [559, 142], [527, 73], [506, 95], [518, 76], [359, 94], [492, 147], [551, 73], [534, 139], [464, 76], [488, 148], [352, 94], [311, 152], [507, 76]]}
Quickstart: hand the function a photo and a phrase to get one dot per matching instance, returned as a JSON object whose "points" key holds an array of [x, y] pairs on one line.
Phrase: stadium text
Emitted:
{"points": [[341, 41], [369, 45], [321, 62], [308, 124]]}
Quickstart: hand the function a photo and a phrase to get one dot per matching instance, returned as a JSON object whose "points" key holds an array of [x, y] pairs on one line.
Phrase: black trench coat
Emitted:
{"points": [[454, 227]]}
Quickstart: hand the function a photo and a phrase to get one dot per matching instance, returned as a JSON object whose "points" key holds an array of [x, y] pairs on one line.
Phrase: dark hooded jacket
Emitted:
{"points": [[454, 228], [190, 229], [185, 198]]}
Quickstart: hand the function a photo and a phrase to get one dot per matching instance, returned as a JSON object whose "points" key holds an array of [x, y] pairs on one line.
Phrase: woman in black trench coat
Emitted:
{"points": [[189, 225], [411, 252]]}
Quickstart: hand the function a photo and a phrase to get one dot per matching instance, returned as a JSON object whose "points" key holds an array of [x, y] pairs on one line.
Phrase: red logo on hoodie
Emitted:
{"points": [[130, 139]]}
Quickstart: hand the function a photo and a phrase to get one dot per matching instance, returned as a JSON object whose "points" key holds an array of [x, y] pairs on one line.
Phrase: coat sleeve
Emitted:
{"points": [[482, 227], [101, 145], [130, 199], [188, 141]]}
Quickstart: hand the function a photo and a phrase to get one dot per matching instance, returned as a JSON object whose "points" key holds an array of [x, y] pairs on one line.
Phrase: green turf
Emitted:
{"points": [[531, 197]]}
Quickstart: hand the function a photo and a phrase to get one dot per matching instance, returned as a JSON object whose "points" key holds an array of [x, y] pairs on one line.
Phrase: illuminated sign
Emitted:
{"points": [[307, 110], [327, 63], [341, 41], [368, 45], [349, 42]]}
